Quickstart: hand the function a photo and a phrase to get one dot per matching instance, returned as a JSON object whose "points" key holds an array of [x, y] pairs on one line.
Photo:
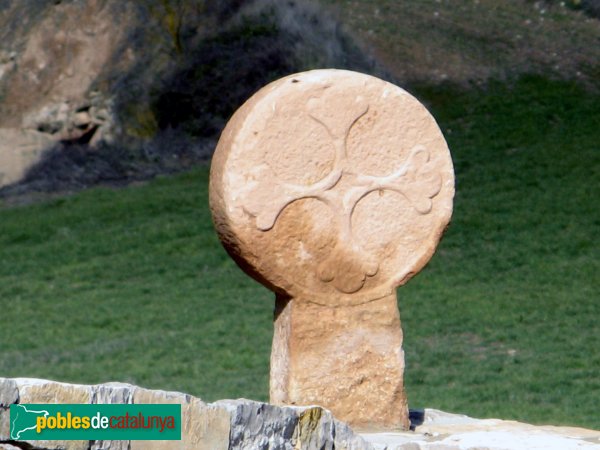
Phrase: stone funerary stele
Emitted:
{"points": [[332, 188]]}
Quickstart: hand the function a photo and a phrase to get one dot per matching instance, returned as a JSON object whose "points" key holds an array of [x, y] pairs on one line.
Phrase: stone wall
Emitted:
{"points": [[226, 424], [249, 425]]}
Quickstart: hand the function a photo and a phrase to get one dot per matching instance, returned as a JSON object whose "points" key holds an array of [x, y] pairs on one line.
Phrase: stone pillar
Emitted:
{"points": [[332, 188], [358, 348]]}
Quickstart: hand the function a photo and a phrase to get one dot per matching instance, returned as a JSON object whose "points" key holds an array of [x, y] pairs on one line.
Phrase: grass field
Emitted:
{"points": [[133, 285]]}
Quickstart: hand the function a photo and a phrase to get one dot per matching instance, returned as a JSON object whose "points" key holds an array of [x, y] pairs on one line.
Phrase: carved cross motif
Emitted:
{"points": [[413, 180]]}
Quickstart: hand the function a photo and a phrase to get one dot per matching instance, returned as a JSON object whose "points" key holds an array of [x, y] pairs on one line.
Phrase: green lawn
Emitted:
{"points": [[133, 285]]}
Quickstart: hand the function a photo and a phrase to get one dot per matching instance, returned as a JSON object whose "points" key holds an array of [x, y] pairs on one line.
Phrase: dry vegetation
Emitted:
{"points": [[467, 41]]}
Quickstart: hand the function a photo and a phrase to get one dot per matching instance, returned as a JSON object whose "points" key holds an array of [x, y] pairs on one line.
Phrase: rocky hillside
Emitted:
{"points": [[103, 90], [106, 91]]}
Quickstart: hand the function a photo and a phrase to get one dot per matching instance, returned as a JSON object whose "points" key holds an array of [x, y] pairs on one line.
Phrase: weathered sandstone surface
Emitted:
{"points": [[332, 188]]}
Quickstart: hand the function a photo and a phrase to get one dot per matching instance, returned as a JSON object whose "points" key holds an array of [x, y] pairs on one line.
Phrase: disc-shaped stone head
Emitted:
{"points": [[332, 186]]}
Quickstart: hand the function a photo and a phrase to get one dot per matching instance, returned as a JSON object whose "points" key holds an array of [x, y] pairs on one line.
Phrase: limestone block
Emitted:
{"points": [[32, 390], [9, 391], [42, 391], [332, 188], [445, 431], [259, 425], [112, 393], [9, 394], [256, 425], [203, 427]]}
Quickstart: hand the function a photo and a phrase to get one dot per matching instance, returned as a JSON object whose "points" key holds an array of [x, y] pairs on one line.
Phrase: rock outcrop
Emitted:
{"points": [[51, 57], [249, 425], [111, 75]]}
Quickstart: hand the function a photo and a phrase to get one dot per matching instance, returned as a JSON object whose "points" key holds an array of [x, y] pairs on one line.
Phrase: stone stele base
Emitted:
{"points": [[249, 425], [364, 361]]}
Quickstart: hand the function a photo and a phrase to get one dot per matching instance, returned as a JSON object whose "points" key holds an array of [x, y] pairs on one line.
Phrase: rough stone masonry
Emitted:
{"points": [[248, 425], [332, 188]]}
